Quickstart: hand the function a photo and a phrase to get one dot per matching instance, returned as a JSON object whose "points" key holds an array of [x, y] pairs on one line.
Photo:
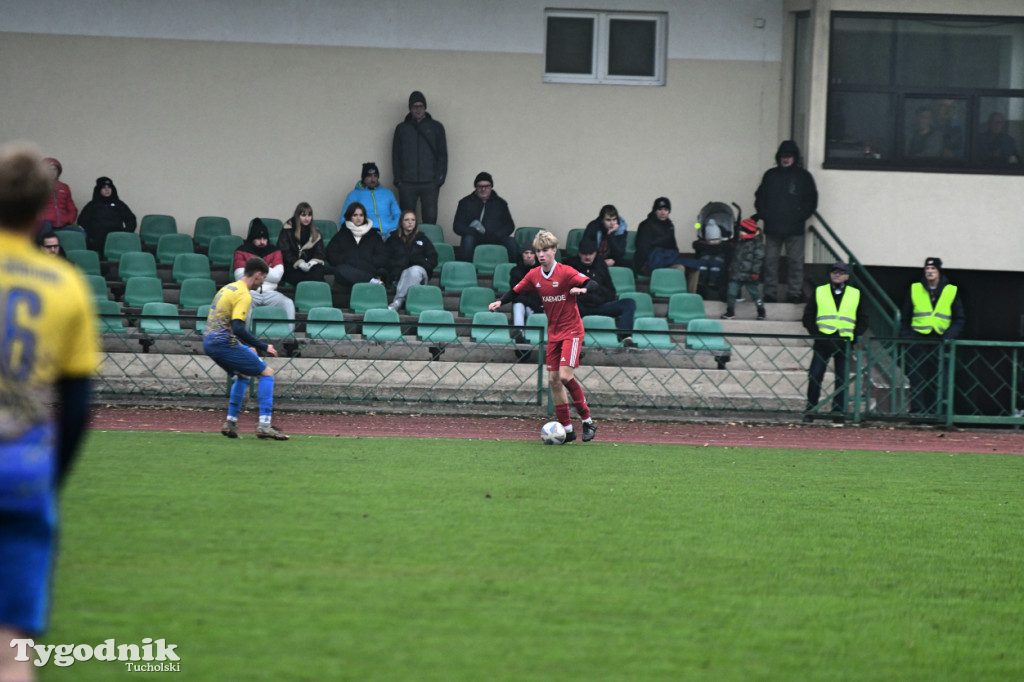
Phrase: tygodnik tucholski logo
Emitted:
{"points": [[152, 655]]}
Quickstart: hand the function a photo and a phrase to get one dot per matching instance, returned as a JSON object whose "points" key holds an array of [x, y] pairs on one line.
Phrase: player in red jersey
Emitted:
{"points": [[558, 285]]}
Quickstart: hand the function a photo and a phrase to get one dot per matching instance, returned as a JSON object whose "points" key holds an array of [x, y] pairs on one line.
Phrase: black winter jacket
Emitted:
{"points": [[651, 234], [368, 255], [497, 218], [401, 256], [786, 197], [419, 151], [104, 215]]}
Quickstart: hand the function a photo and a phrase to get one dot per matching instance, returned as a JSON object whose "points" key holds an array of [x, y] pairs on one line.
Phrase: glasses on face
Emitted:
{"points": [[483, 186]]}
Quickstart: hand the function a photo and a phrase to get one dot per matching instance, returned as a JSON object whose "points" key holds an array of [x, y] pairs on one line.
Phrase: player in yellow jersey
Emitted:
{"points": [[49, 351], [233, 347]]}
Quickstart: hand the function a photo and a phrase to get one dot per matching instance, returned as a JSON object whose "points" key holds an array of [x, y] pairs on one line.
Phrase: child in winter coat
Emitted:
{"points": [[745, 269]]}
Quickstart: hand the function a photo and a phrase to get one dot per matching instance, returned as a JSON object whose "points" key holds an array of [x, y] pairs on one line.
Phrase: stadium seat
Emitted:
{"points": [[170, 245], [623, 279], [309, 295], [490, 327], [109, 313], [630, 246], [71, 240], [423, 297], [682, 308], [208, 227], [380, 324], [367, 296], [98, 287], [274, 227], [271, 322], [524, 235], [644, 304], [160, 318], [87, 261], [136, 264], [445, 253], [473, 300], [599, 331], [120, 243], [328, 228], [190, 266], [536, 328], [437, 326], [667, 281], [138, 291], [326, 322], [195, 292], [652, 324], [154, 226], [572, 241], [711, 338], [433, 232], [201, 314], [456, 276], [487, 256], [502, 278], [221, 250]]}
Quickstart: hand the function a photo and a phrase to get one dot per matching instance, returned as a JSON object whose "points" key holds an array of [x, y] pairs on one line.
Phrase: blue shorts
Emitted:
{"points": [[28, 527], [235, 359]]}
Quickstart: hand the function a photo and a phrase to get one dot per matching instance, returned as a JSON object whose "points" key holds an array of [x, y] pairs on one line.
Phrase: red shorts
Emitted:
{"points": [[564, 353]]}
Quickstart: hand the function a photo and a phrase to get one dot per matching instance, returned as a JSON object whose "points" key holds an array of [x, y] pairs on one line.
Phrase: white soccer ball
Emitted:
{"points": [[553, 433]]}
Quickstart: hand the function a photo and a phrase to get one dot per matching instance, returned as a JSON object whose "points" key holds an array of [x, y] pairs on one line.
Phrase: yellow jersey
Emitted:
{"points": [[232, 302]]}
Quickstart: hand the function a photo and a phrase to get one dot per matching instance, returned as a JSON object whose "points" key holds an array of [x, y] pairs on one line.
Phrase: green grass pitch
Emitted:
{"points": [[427, 559]]}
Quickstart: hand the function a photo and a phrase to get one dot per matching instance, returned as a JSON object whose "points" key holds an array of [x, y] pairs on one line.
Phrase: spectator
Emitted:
{"points": [[926, 140], [60, 210], [106, 213], [379, 201], [357, 251], [608, 231], [49, 243], [602, 298], [785, 199], [952, 130], [411, 258], [932, 310], [656, 243], [995, 145], [529, 303], [302, 248], [745, 269], [483, 217], [257, 245], [835, 316], [419, 157]]}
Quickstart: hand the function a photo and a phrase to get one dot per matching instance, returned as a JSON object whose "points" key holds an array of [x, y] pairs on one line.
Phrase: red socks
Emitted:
{"points": [[562, 415], [578, 399]]}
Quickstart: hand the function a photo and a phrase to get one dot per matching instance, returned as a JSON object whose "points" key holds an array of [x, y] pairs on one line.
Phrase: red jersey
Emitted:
{"points": [[564, 320]]}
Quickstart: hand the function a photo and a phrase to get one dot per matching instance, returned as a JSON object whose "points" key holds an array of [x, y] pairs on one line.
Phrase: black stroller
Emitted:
{"points": [[716, 236]]}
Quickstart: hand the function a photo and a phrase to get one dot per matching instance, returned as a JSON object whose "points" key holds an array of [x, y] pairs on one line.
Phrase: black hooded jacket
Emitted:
{"points": [[104, 215], [786, 197]]}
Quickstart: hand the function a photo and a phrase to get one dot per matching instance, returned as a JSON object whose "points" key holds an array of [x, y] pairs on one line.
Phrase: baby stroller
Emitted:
{"points": [[716, 234]]}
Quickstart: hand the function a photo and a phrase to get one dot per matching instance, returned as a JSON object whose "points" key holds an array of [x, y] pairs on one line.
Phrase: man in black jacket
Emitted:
{"points": [[419, 157], [483, 218], [602, 299]]}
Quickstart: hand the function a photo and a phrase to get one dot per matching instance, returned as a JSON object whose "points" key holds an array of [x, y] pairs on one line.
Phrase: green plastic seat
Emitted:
{"points": [[667, 281], [445, 253], [381, 324], [202, 312], [160, 318], [423, 297], [623, 279], [473, 300], [170, 245], [274, 227], [71, 240], [682, 308], [98, 287], [644, 303], [138, 291], [488, 256], [136, 264], [271, 322], [710, 338], [327, 323], [502, 281], [208, 227], [572, 241], [599, 331], [190, 266], [457, 275], [309, 295], [328, 228], [630, 246], [437, 326], [154, 226], [536, 328], [110, 320], [367, 296], [490, 327], [87, 261], [119, 243], [524, 235], [221, 250], [196, 292], [433, 232], [642, 339]]}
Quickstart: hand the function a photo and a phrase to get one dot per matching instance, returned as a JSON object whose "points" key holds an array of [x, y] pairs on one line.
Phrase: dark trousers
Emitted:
{"points": [[927, 377], [470, 241], [426, 193], [622, 310], [794, 247], [823, 350]]}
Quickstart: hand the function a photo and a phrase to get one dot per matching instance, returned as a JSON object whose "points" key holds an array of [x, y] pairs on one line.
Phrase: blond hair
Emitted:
{"points": [[545, 240]]}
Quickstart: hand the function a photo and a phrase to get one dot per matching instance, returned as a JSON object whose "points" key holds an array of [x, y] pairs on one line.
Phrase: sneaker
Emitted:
{"points": [[730, 314], [627, 342], [394, 306], [230, 429], [570, 436], [270, 431], [520, 338], [808, 419], [376, 280], [589, 431], [760, 312]]}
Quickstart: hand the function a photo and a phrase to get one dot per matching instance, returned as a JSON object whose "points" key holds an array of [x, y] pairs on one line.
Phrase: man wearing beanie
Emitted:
{"points": [[419, 157], [656, 245], [932, 310], [483, 218], [381, 207]]}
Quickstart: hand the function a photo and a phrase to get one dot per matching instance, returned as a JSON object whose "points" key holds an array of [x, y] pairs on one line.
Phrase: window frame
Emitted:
{"points": [[601, 44]]}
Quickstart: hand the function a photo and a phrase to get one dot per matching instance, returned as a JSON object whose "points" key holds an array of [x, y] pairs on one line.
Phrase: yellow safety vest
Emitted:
{"points": [[842, 320], [926, 319]]}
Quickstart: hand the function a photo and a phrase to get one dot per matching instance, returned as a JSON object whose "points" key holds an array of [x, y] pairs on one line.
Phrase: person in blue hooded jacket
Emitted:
{"points": [[381, 206]]}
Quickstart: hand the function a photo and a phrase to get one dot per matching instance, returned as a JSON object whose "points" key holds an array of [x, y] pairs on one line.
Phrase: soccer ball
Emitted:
{"points": [[553, 433]]}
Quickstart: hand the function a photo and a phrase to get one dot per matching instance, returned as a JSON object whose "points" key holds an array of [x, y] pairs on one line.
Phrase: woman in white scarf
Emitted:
{"points": [[357, 251]]}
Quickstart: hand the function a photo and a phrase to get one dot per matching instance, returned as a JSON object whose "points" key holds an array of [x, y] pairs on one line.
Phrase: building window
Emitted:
{"points": [[924, 92], [617, 48]]}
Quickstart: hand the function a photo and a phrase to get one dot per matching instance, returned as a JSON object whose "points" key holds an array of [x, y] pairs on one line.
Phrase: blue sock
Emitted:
{"points": [[238, 390], [265, 393]]}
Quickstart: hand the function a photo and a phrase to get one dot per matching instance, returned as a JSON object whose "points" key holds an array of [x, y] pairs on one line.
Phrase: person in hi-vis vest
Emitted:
{"points": [[835, 317], [933, 309]]}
